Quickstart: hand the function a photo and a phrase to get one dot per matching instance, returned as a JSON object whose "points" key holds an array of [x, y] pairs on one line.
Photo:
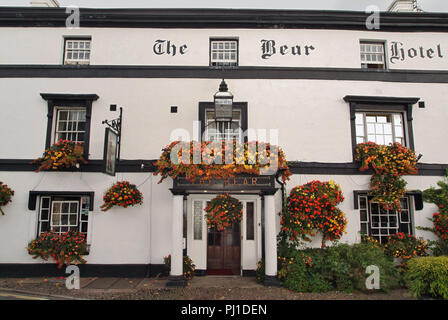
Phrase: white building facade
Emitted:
{"points": [[322, 80]]}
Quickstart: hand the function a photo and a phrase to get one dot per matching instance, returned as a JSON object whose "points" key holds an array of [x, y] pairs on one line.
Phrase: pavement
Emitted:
{"points": [[33, 288]]}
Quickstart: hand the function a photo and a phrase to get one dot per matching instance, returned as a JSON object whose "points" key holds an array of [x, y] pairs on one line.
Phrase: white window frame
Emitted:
{"points": [[365, 208], [78, 41], [57, 120], [81, 221], [222, 56], [372, 54], [361, 121]]}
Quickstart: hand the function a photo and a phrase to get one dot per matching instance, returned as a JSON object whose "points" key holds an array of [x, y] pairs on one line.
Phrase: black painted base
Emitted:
{"points": [[176, 281], [19, 270], [249, 273], [200, 272], [271, 281]]}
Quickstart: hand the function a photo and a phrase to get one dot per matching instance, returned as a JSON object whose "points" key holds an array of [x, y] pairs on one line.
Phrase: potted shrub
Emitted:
{"points": [[6, 194], [188, 268]]}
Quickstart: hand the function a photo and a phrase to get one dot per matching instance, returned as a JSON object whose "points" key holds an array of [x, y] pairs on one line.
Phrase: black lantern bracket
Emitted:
{"points": [[115, 125]]}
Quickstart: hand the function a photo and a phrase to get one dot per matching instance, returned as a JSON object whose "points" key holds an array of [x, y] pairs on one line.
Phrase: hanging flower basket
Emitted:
{"points": [[62, 154], [6, 194], [223, 211], [313, 207], [123, 194]]}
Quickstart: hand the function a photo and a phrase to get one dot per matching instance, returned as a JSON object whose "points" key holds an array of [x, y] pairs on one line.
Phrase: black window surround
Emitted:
{"points": [[69, 100], [417, 195], [34, 194], [382, 104], [242, 106]]}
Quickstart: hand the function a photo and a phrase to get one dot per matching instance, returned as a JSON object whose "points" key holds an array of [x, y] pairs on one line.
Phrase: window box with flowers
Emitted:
{"points": [[62, 154], [252, 158], [63, 248]]}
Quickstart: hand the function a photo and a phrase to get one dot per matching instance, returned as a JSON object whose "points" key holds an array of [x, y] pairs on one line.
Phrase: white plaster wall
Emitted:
{"points": [[311, 116], [116, 236], [122, 46], [142, 234]]}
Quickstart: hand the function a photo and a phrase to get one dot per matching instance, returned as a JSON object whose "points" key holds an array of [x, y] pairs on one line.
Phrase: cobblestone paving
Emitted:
{"points": [[208, 288]]}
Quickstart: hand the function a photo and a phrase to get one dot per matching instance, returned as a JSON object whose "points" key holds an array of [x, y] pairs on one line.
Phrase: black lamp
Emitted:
{"points": [[223, 103]]}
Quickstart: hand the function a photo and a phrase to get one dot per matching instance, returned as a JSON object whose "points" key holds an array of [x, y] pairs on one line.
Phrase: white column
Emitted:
{"points": [[270, 236], [177, 236]]}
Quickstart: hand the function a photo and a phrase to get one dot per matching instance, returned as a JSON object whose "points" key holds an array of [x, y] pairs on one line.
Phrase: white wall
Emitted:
{"points": [[141, 234], [312, 118], [122, 46]]}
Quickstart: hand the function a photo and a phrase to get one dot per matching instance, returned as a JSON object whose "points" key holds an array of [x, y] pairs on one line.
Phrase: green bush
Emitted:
{"points": [[341, 267], [428, 276]]}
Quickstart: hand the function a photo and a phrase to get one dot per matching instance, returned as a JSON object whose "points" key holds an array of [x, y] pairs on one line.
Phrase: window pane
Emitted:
{"points": [[398, 131], [397, 119], [197, 220], [250, 228], [379, 129], [359, 118], [44, 214], [73, 220]]}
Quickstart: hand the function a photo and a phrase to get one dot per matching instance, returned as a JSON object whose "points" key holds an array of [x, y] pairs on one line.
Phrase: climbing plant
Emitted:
{"points": [[389, 164]]}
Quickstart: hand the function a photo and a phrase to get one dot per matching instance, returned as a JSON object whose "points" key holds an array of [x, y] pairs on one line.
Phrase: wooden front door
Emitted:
{"points": [[224, 250]]}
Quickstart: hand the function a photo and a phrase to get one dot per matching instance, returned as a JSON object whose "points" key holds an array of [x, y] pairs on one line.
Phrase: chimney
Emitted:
{"points": [[404, 6], [45, 3]]}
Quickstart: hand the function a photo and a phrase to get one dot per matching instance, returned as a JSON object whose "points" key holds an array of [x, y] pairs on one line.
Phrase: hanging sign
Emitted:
{"points": [[110, 151]]}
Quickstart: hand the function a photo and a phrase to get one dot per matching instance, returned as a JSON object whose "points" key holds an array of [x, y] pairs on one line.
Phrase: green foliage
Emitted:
{"points": [[406, 246], [439, 219], [438, 196], [341, 267], [428, 276], [260, 272]]}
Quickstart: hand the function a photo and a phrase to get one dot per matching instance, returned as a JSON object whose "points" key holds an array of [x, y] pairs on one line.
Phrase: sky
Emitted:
{"points": [[357, 5]]}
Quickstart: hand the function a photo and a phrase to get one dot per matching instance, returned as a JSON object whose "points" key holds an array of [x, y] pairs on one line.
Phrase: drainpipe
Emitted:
{"points": [[282, 187]]}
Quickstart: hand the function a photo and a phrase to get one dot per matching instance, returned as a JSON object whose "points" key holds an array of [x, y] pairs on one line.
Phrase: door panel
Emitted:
{"points": [[224, 250]]}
